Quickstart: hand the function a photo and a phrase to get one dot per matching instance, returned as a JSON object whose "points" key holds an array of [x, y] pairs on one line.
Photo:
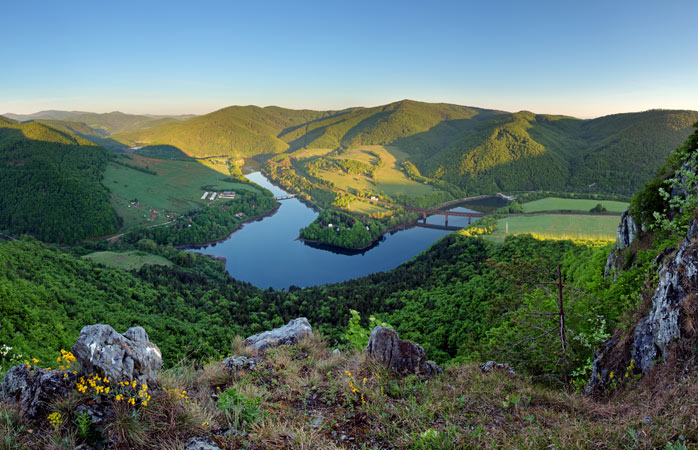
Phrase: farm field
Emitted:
{"points": [[366, 207], [389, 178], [559, 226], [176, 189], [305, 153], [131, 260], [571, 204]]}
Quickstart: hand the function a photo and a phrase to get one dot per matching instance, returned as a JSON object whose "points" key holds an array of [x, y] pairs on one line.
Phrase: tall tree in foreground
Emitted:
{"points": [[548, 332]]}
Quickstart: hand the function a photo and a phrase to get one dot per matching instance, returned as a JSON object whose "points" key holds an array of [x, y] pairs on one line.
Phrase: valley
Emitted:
{"points": [[203, 249]]}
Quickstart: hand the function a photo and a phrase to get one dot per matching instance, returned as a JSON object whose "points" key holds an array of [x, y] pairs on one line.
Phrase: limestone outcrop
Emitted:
{"points": [[32, 389], [404, 357], [120, 357], [669, 319], [290, 333]]}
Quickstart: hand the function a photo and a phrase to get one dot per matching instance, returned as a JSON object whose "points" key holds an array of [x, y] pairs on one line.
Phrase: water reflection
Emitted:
{"points": [[266, 253]]}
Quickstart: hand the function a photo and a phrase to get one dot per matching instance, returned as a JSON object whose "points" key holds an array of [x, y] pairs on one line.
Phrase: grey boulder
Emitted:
{"points": [[492, 366], [402, 356], [237, 363], [201, 444], [290, 333], [120, 357]]}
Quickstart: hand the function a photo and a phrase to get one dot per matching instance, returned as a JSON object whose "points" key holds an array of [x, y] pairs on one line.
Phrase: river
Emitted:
{"points": [[267, 253]]}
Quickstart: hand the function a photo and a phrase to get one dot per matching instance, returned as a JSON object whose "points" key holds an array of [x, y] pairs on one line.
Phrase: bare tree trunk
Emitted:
{"points": [[561, 313]]}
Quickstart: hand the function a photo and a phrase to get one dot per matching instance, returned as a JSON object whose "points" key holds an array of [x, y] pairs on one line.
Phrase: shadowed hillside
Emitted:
{"points": [[51, 187]]}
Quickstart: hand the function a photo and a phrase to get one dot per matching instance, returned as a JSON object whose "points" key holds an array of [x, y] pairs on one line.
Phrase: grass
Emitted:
{"points": [[305, 153], [389, 178], [131, 260], [362, 207], [571, 204], [306, 397], [176, 189], [559, 226]]}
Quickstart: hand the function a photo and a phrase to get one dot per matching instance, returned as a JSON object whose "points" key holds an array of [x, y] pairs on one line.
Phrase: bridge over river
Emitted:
{"points": [[431, 212]]}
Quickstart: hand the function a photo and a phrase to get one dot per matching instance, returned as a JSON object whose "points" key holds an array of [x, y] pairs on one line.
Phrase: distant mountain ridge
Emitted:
{"points": [[105, 123], [480, 150]]}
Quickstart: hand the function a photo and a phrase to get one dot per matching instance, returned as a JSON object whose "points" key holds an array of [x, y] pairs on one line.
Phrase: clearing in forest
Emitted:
{"points": [[388, 177], [559, 226], [131, 260], [572, 204], [175, 188]]}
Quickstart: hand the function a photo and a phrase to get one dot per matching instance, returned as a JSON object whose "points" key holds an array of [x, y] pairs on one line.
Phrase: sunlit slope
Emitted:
{"points": [[237, 130]]}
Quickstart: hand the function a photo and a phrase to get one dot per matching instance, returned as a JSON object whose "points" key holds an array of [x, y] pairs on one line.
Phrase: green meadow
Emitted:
{"points": [[571, 204], [131, 260], [559, 226], [389, 178], [175, 188]]}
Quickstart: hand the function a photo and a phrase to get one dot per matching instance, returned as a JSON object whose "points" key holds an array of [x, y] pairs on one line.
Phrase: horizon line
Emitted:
{"points": [[172, 114]]}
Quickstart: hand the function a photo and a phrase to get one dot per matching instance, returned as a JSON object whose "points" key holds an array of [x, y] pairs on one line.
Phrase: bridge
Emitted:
{"points": [[285, 197], [430, 212]]}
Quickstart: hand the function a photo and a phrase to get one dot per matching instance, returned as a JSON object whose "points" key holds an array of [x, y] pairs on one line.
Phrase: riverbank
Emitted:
{"points": [[251, 219]]}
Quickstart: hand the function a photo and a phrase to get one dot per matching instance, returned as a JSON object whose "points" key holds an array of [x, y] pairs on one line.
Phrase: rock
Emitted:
{"points": [[290, 333], [491, 366], [626, 234], [317, 422], [401, 356], [670, 317], [336, 351], [201, 444], [128, 357], [101, 413], [237, 363], [599, 368], [33, 389], [627, 230], [661, 326]]}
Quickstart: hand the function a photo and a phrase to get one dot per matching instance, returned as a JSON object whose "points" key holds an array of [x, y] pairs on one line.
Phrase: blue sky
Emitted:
{"points": [[580, 58]]}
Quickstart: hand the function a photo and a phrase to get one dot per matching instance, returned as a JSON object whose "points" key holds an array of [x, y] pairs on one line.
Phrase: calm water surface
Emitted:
{"points": [[266, 253]]}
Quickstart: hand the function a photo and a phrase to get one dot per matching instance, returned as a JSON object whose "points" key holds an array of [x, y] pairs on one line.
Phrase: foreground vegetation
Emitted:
{"points": [[306, 397]]}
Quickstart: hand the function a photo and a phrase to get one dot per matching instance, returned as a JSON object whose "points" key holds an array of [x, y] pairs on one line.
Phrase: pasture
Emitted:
{"points": [[366, 207], [131, 260], [571, 204], [559, 226], [389, 178], [306, 153], [176, 189]]}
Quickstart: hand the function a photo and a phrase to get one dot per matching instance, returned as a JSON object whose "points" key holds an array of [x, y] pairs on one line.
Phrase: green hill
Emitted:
{"points": [[237, 130], [50, 180], [480, 150], [4, 120]]}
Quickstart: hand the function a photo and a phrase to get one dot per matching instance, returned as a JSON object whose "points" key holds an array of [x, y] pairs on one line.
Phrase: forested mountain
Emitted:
{"points": [[106, 123], [480, 150], [50, 184], [237, 130]]}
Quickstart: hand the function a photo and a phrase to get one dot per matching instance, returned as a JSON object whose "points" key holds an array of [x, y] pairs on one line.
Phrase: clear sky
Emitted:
{"points": [[583, 58]]}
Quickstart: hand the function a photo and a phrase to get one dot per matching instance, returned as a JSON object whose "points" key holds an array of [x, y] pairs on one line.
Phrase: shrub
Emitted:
{"points": [[238, 409]]}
